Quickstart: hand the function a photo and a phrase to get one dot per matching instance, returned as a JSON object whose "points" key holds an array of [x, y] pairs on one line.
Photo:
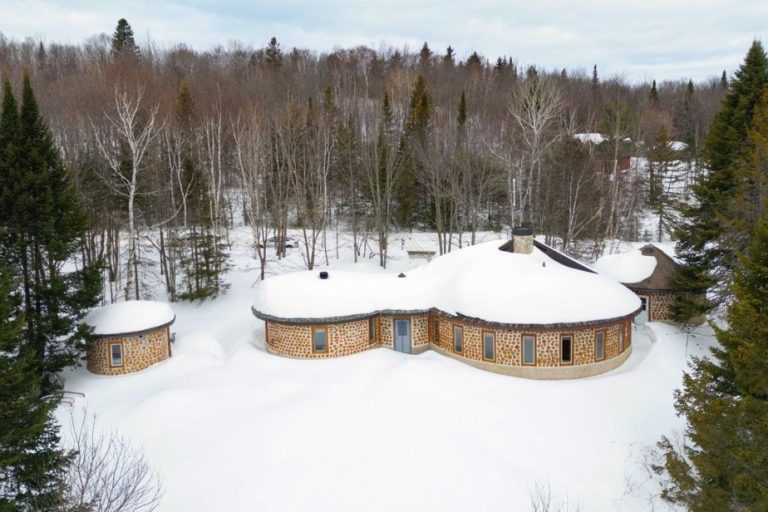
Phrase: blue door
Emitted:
{"points": [[402, 329]]}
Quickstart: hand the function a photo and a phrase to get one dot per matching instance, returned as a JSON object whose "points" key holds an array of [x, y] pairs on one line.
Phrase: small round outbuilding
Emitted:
{"points": [[130, 336], [516, 307]]}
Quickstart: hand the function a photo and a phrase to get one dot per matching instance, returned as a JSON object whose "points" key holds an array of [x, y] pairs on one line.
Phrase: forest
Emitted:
{"points": [[166, 146]]}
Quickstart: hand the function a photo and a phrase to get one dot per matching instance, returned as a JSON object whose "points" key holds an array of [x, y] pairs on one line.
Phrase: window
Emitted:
{"points": [[372, 330], [566, 349], [600, 345], [116, 354], [435, 331], [529, 349], [319, 339], [621, 339], [489, 346], [458, 339]]}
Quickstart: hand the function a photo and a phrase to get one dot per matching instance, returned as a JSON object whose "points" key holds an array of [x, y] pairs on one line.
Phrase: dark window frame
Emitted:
{"points": [[569, 336]]}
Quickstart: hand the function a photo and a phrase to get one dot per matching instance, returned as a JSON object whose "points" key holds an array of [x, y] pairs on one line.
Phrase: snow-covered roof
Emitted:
{"points": [[677, 145], [627, 267], [480, 282], [129, 316]]}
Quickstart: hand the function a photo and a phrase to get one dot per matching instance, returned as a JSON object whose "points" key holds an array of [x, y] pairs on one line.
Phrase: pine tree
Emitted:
{"points": [[724, 80], [32, 466], [123, 43], [44, 226], [722, 464], [706, 247], [475, 62]]}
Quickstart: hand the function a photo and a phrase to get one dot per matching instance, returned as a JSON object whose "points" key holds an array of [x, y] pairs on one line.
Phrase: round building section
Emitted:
{"points": [[129, 336]]}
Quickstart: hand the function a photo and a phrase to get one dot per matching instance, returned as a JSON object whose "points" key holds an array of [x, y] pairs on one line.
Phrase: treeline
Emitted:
{"points": [[167, 146]]}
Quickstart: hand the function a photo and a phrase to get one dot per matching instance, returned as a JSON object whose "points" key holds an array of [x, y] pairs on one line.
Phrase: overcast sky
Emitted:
{"points": [[640, 40]]}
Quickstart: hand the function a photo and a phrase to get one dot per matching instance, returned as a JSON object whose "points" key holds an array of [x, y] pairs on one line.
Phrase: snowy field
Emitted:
{"points": [[233, 428]]}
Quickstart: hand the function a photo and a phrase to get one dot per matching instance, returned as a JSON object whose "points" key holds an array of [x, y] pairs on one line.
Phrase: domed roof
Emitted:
{"points": [[480, 282], [129, 317]]}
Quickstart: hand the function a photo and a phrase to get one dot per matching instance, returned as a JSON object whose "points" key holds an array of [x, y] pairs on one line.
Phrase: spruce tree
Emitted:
{"points": [[706, 244], [123, 43], [653, 95], [722, 463], [449, 59], [660, 157], [43, 225], [273, 55], [32, 466]]}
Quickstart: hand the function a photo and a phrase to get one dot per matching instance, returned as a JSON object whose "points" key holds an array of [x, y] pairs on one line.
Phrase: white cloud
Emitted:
{"points": [[641, 40]]}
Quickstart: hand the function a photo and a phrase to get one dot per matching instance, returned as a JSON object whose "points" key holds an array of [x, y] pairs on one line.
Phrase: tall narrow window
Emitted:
{"points": [[489, 346], [566, 349], [458, 339], [116, 354], [320, 339], [372, 330], [600, 345], [529, 349], [621, 339]]}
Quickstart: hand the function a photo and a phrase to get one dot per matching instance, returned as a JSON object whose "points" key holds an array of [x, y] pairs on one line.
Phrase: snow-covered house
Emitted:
{"points": [[647, 271], [130, 336], [515, 307]]}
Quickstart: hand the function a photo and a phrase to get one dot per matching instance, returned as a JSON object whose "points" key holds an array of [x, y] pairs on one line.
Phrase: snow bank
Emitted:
{"points": [[594, 138], [479, 281], [129, 316], [628, 267]]}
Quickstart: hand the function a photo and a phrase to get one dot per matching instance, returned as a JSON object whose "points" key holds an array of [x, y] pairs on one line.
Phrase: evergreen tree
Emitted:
{"points": [[43, 226], [722, 465], [412, 147], [724, 80], [705, 245], [660, 157], [653, 95], [123, 43], [475, 62], [32, 466], [425, 58], [595, 79], [273, 55], [449, 58]]}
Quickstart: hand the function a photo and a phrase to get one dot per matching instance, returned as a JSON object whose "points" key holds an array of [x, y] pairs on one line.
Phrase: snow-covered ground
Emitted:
{"points": [[231, 427]]}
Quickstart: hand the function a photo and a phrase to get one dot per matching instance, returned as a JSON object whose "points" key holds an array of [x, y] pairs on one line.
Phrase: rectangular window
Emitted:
{"points": [[529, 349], [600, 345], [320, 339], [489, 346], [116, 354], [566, 349], [458, 339], [372, 330], [621, 339]]}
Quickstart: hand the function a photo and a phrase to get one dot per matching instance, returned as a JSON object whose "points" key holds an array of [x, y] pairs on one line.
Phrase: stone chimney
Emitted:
{"points": [[522, 240]]}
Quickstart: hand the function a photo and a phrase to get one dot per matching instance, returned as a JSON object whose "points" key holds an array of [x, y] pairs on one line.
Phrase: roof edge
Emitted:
{"points": [[350, 318], [111, 335]]}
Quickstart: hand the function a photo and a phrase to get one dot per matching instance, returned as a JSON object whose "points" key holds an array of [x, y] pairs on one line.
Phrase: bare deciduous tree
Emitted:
{"points": [[107, 472], [133, 128]]}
